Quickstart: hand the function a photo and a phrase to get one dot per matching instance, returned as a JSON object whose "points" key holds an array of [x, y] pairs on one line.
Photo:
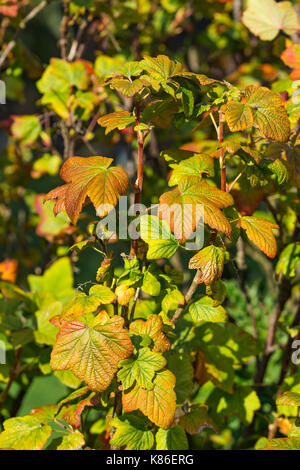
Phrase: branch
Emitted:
{"points": [[13, 374], [63, 30], [35, 11], [284, 289], [188, 296], [222, 156], [241, 275]]}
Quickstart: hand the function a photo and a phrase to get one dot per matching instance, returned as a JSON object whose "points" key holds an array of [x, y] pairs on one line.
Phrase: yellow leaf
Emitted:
{"points": [[259, 231], [92, 348], [158, 404]]}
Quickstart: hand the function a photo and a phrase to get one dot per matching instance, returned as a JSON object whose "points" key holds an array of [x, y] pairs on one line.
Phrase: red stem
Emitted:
{"points": [[222, 156]]}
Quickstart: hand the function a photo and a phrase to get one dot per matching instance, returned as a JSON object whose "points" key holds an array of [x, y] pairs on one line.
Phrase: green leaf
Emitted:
{"points": [[196, 419], [131, 433], [58, 280], [172, 300], [26, 129], [288, 260], [60, 75], [151, 285], [180, 365], [26, 433], [142, 369], [106, 65], [161, 67], [72, 441], [192, 169], [171, 439], [205, 309], [49, 307], [157, 234], [243, 403], [265, 19], [160, 112]]}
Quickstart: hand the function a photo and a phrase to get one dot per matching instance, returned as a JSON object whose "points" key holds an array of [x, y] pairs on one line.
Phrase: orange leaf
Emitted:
{"points": [[92, 347], [88, 179], [9, 270], [158, 404], [153, 328], [179, 208]]}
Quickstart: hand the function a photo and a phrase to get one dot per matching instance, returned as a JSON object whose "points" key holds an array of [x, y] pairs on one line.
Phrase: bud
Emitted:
{"points": [[124, 294]]}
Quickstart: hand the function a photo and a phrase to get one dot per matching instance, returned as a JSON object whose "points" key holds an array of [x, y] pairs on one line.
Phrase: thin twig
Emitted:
{"points": [[13, 374], [188, 296]]}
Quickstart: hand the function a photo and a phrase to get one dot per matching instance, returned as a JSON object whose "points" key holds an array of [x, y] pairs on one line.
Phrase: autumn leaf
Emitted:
{"points": [[161, 67], [265, 19], [259, 231], [153, 329], [71, 408], [117, 120], [238, 116], [88, 179], [24, 433], [91, 347], [210, 262], [9, 270], [181, 208], [288, 399], [269, 113], [158, 404]]}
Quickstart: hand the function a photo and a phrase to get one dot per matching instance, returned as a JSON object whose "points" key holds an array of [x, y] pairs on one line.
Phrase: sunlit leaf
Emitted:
{"points": [[269, 113], [205, 309], [265, 19], [24, 433], [210, 262], [157, 404], [92, 348], [171, 439], [192, 169], [157, 234], [131, 433], [141, 370], [153, 329], [90, 178], [259, 231], [118, 120]]}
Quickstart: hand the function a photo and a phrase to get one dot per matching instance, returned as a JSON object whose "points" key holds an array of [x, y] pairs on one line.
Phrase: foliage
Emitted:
{"points": [[154, 338]]}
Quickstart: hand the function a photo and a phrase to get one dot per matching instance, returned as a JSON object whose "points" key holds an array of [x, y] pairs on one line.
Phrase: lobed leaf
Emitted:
{"points": [[158, 404], [88, 178], [259, 231], [210, 262], [92, 348]]}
